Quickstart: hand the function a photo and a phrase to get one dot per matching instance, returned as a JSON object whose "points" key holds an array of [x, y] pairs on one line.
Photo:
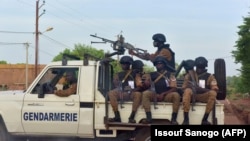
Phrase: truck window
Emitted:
{"points": [[105, 79], [54, 78]]}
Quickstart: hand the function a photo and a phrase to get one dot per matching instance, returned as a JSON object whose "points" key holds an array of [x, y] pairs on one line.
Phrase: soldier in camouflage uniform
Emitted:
{"points": [[70, 87], [137, 67], [121, 86], [165, 89], [206, 89]]}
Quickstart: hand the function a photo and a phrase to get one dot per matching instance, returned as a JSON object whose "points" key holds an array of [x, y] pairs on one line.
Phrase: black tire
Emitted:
{"points": [[4, 135], [143, 134], [220, 75]]}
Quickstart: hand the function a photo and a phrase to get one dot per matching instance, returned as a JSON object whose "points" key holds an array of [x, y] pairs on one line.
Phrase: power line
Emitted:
{"points": [[16, 32], [53, 40]]}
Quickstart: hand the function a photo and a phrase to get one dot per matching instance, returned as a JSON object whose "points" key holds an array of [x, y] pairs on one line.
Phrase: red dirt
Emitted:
{"points": [[237, 111]]}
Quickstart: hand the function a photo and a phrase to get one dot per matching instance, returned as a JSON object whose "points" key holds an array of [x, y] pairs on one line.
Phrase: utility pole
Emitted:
{"points": [[37, 35], [27, 66]]}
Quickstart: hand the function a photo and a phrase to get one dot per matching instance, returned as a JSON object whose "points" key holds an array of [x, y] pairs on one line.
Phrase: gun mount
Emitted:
{"points": [[119, 45]]}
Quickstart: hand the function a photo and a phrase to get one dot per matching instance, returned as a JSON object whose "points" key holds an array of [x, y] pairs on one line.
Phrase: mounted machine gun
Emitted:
{"points": [[119, 45]]}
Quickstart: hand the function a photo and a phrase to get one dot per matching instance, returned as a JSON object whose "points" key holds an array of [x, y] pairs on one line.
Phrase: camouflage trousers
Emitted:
{"points": [[208, 97], [148, 97], [115, 95]]}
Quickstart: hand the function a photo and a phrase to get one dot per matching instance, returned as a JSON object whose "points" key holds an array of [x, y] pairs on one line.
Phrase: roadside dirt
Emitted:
{"points": [[237, 111]]}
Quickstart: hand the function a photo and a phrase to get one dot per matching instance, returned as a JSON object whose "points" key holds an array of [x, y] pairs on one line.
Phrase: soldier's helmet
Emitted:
{"points": [[126, 60], [164, 61], [137, 64], [189, 64], [159, 37], [201, 62]]}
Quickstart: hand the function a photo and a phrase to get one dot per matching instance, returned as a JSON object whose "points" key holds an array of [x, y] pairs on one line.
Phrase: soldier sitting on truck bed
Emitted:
{"points": [[202, 86], [137, 67], [162, 87], [121, 82]]}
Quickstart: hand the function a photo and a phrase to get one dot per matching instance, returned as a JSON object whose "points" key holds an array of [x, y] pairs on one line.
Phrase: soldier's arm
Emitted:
{"points": [[186, 82], [67, 92], [212, 82], [146, 81], [172, 85], [166, 53]]}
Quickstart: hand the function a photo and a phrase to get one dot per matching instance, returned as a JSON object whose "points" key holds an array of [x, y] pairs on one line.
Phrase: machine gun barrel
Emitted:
{"points": [[94, 42], [103, 39], [120, 46]]}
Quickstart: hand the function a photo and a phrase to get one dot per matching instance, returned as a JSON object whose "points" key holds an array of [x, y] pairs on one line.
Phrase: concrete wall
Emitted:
{"points": [[13, 76]]}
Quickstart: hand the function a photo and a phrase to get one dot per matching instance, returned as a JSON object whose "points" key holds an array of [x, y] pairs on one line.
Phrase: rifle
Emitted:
{"points": [[187, 64], [179, 68], [194, 85], [195, 88], [152, 83], [214, 120], [119, 45], [120, 94]]}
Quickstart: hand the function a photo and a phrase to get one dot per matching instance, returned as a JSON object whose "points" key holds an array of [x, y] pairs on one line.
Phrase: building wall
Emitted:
{"points": [[13, 76]]}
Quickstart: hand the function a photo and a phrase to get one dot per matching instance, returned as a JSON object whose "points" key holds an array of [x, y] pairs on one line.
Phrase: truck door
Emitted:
{"points": [[50, 113]]}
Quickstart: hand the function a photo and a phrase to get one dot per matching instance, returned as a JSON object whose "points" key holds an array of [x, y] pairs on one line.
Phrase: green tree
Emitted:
{"points": [[79, 50], [3, 62], [234, 85], [242, 52]]}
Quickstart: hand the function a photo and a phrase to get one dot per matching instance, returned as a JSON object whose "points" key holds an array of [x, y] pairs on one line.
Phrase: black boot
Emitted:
{"points": [[117, 117], [204, 120], [173, 119], [186, 119], [149, 118], [131, 117]]}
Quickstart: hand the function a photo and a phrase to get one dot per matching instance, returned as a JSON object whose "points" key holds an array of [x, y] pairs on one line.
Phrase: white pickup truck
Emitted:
{"points": [[36, 113]]}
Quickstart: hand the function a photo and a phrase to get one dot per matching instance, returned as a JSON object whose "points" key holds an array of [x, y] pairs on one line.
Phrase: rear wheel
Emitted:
{"points": [[220, 75]]}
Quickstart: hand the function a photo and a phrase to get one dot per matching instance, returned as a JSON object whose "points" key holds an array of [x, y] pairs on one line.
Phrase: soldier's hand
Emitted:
{"points": [[131, 52], [147, 56]]}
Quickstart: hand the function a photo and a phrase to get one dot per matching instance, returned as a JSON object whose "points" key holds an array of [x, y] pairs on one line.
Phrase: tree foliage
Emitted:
{"points": [[80, 50], [234, 85], [242, 52], [3, 62]]}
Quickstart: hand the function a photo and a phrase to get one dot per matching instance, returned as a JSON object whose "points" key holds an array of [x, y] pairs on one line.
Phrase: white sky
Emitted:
{"points": [[192, 27]]}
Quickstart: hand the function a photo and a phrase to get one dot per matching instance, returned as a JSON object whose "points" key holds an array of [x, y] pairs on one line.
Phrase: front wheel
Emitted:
{"points": [[4, 135]]}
